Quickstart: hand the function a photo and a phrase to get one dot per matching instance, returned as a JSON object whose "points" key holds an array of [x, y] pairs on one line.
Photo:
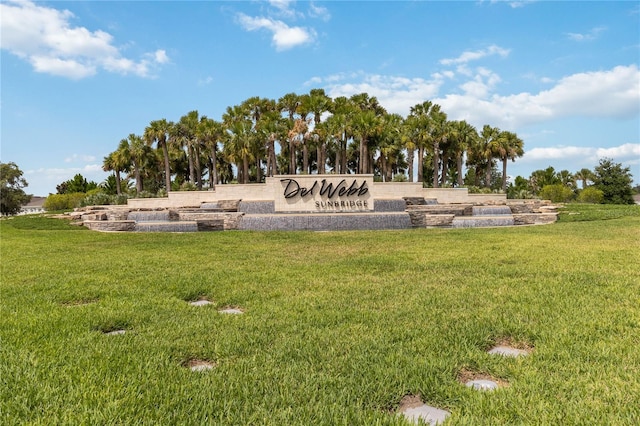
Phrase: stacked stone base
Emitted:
{"points": [[325, 222], [405, 213]]}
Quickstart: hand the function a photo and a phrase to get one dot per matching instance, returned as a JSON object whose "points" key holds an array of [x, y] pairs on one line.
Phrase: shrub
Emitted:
{"points": [[63, 201], [591, 195], [557, 193], [97, 199], [400, 178]]}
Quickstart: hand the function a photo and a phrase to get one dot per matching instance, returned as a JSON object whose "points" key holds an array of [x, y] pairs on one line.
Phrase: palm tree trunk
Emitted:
{"points": [[436, 165], [420, 164], [445, 168], [167, 166], [192, 171], [118, 184], [410, 156], [292, 157], [305, 157], [245, 169], [459, 167], [504, 173], [214, 167], [258, 170], [136, 172], [487, 175]]}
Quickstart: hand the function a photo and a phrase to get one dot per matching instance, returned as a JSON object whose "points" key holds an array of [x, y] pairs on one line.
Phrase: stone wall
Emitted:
{"points": [[110, 225]]}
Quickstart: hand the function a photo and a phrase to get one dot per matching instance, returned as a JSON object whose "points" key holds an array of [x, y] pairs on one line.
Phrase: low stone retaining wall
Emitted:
{"points": [[229, 219], [534, 218], [420, 219], [111, 225], [455, 209]]}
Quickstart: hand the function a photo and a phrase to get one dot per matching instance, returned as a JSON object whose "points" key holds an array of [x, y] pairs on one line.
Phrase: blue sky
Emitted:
{"points": [[77, 77]]}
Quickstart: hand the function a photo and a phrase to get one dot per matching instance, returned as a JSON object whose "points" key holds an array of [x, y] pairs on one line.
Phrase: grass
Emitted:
{"points": [[337, 328]]}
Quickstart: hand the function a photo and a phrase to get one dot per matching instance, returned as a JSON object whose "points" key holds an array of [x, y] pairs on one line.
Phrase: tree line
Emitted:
{"points": [[312, 133]]}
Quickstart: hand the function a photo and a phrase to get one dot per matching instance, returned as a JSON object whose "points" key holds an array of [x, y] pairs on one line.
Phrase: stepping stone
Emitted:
{"points": [[429, 415], [200, 303], [115, 332], [233, 311], [198, 366], [415, 410], [508, 351], [481, 384]]}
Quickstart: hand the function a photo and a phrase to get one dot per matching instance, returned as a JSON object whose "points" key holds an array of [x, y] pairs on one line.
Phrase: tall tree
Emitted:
{"points": [[109, 164], [187, 137], [238, 143], [318, 104], [134, 149], [12, 195], [614, 181], [210, 132], [509, 147], [487, 150], [289, 104], [463, 136], [584, 175], [158, 132]]}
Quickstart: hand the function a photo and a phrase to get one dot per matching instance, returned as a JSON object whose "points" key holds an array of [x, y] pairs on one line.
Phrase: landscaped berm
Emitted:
{"points": [[521, 325], [317, 202]]}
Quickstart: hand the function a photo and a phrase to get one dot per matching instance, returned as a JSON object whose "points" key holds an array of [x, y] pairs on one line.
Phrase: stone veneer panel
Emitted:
{"points": [[110, 225], [322, 222]]}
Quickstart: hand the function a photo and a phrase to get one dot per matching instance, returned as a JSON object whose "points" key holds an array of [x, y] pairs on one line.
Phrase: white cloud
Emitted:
{"points": [[80, 157], [591, 35], [283, 36], [628, 153], [612, 93], [554, 153], [160, 56], [396, 94], [284, 7], [628, 150], [469, 56], [46, 38], [319, 12]]}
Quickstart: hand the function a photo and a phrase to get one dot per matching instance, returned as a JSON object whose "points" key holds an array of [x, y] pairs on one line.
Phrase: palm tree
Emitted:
{"points": [[509, 147], [584, 175], [487, 149], [158, 131], [422, 134], [238, 143], [271, 127], [109, 164], [210, 132], [289, 103], [390, 145], [439, 136], [463, 136], [366, 124], [319, 103], [135, 149]]}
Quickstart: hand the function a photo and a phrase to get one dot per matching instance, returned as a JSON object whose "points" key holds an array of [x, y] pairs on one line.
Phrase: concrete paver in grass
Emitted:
{"points": [[201, 302], [115, 332], [414, 410], [199, 365], [508, 351], [482, 384], [232, 311]]}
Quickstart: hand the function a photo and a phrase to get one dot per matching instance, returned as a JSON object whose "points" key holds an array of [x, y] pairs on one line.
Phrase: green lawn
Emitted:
{"points": [[338, 326]]}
